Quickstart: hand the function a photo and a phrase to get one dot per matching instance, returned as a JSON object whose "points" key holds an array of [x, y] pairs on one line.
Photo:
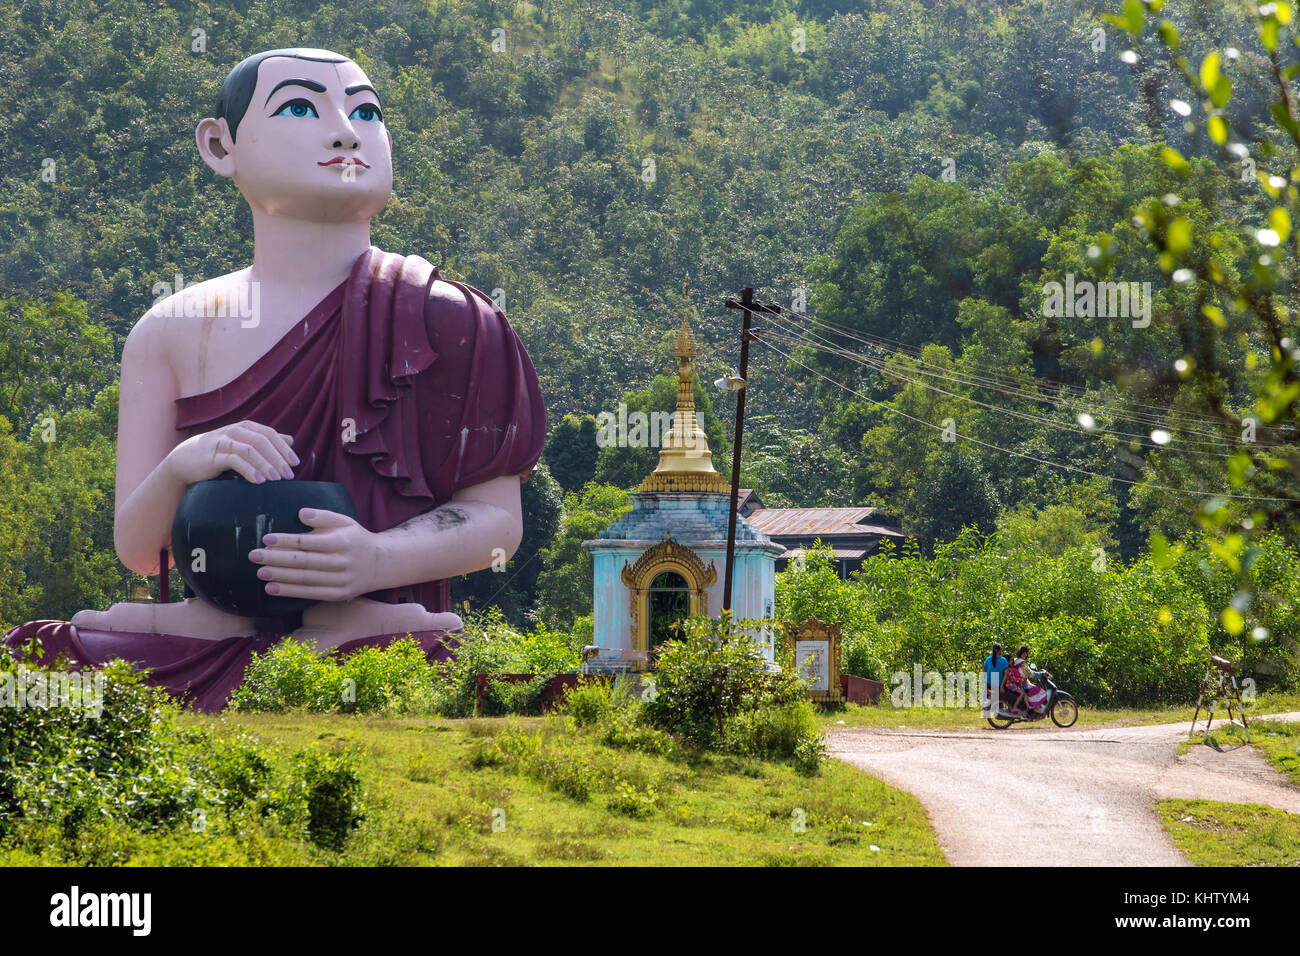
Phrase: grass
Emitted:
{"points": [[1277, 740], [887, 717], [447, 792], [1232, 834]]}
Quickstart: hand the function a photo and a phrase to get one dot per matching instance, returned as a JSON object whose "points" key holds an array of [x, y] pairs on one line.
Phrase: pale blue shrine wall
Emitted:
{"points": [[699, 522]]}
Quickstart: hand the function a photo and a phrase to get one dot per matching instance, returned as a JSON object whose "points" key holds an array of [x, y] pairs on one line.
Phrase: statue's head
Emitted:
{"points": [[301, 133]]}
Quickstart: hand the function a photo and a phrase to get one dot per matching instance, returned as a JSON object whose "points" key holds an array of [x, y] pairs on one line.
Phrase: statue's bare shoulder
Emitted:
{"points": [[202, 333]]}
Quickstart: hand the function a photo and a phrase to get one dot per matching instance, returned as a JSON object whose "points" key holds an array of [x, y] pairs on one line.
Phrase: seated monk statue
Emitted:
{"points": [[354, 366]]}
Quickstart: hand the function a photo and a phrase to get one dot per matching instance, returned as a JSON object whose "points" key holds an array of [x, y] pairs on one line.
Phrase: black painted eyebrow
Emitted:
{"points": [[309, 84], [359, 87]]}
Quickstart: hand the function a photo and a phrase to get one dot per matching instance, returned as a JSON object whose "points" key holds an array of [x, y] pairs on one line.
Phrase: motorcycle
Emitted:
{"points": [[1059, 705]]}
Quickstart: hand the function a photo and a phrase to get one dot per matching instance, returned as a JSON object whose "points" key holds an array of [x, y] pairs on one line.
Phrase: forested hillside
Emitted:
{"points": [[904, 179]]}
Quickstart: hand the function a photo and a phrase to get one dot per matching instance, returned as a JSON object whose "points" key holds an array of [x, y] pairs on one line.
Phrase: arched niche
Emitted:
{"points": [[666, 569]]}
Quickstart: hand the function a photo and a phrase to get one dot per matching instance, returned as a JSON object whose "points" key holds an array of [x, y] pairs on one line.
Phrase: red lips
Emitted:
{"points": [[345, 161]]}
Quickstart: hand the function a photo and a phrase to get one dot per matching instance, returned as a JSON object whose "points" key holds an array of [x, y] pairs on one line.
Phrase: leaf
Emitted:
{"points": [[1135, 16], [1268, 35], [1174, 160], [1233, 622], [1210, 70], [1179, 235], [1217, 127], [1221, 91], [1169, 34], [1279, 220]]}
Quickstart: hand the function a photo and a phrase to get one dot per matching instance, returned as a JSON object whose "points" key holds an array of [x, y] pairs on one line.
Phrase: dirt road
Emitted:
{"points": [[1060, 797]]}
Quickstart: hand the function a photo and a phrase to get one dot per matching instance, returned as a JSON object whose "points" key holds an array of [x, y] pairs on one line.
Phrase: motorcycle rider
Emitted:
{"points": [[1015, 681], [1035, 696], [995, 666]]}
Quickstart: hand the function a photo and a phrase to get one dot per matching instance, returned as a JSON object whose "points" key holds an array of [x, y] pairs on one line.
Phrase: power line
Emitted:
{"points": [[996, 382], [885, 369], [1008, 451]]}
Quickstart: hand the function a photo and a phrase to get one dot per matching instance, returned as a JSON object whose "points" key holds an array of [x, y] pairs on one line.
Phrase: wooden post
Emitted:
{"points": [[747, 333]]}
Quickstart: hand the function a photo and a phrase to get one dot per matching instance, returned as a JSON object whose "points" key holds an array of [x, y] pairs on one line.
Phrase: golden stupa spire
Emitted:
{"points": [[685, 462]]}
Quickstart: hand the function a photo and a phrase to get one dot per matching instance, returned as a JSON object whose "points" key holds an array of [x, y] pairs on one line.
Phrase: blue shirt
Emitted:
{"points": [[992, 667]]}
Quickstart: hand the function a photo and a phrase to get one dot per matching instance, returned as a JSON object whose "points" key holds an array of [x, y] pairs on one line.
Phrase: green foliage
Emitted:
{"points": [[566, 581], [514, 588], [788, 731], [86, 780], [571, 451], [397, 679], [714, 689], [330, 791], [589, 702], [1111, 633]]}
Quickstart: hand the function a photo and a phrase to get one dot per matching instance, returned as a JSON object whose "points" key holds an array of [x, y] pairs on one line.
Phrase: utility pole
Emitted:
{"points": [[747, 332]]}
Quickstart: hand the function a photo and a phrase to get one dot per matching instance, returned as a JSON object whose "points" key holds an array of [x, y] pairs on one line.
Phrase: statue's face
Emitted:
{"points": [[312, 144]]}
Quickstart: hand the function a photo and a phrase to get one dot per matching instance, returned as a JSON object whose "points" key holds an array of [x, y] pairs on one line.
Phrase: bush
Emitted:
{"points": [[397, 680], [777, 732], [714, 689], [88, 785], [329, 794], [588, 702], [513, 697], [1111, 633]]}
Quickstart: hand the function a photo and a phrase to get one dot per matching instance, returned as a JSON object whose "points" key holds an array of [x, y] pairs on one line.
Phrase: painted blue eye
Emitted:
{"points": [[367, 112], [298, 108]]}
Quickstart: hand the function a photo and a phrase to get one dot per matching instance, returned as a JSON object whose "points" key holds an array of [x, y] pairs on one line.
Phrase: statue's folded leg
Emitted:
{"points": [[202, 673]]}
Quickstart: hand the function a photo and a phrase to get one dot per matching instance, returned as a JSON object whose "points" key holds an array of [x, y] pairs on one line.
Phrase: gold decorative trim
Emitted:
{"points": [[689, 481], [812, 629], [667, 555]]}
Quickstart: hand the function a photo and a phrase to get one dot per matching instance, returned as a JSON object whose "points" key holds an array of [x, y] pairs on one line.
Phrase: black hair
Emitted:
{"points": [[1023, 653], [997, 652], [237, 89]]}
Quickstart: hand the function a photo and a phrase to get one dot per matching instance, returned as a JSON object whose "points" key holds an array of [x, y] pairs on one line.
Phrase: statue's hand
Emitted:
{"points": [[333, 562], [257, 452]]}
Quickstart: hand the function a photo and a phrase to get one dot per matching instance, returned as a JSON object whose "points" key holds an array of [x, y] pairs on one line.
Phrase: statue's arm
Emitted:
{"points": [[480, 527], [339, 560], [147, 493]]}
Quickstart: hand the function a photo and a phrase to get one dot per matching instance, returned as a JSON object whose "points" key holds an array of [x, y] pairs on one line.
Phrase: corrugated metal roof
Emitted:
{"points": [[851, 553], [813, 521]]}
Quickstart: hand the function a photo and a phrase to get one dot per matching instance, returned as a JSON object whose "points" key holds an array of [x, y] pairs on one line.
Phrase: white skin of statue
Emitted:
{"points": [[311, 222]]}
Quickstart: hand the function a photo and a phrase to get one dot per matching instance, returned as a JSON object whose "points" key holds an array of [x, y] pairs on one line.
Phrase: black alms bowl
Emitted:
{"points": [[226, 519]]}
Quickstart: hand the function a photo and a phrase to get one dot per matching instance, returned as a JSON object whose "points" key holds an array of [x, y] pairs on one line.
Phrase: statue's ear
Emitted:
{"points": [[215, 146]]}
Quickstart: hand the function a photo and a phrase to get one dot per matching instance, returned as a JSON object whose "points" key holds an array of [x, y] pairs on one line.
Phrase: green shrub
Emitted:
{"points": [[329, 792], [711, 674], [588, 702], [1111, 633], [397, 680], [513, 697], [786, 731], [128, 780]]}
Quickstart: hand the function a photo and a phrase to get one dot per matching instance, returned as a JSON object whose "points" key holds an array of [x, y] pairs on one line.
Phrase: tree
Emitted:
{"points": [[1248, 300], [958, 496], [571, 451], [566, 581], [514, 587]]}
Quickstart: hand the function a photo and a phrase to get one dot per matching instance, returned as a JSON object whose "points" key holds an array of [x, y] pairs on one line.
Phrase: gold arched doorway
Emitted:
{"points": [[667, 582]]}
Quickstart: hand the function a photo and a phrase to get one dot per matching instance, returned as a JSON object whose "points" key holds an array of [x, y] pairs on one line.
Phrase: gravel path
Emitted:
{"points": [[1059, 797]]}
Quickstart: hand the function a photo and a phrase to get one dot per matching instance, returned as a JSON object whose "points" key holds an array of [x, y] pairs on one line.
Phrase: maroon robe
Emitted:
{"points": [[402, 386]]}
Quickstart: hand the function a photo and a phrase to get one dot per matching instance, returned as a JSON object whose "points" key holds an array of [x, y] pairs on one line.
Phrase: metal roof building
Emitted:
{"points": [[852, 533]]}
